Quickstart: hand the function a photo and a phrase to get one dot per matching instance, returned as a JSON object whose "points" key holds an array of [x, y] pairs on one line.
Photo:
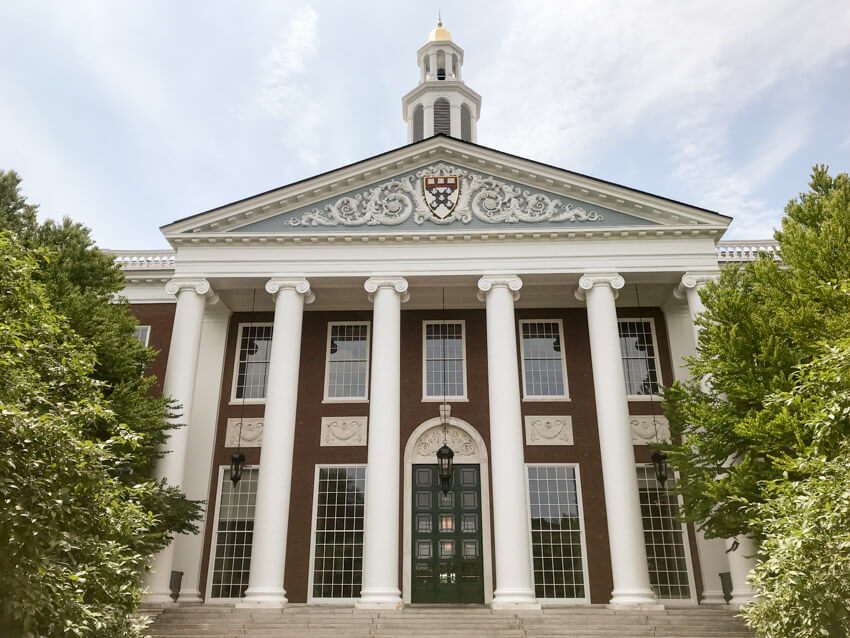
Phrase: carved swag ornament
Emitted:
{"points": [[462, 196]]}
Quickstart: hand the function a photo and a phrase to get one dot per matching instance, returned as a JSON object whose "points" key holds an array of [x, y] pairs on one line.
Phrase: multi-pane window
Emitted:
{"points": [[338, 532], [252, 368], [664, 536], [142, 333], [445, 369], [234, 533], [347, 373], [640, 358], [543, 367], [556, 532]]}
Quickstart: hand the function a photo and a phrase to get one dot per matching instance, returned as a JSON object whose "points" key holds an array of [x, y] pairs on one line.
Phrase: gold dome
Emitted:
{"points": [[440, 34]]}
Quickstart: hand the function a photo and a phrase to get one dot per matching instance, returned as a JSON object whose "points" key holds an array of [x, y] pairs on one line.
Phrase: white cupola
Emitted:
{"points": [[441, 103]]}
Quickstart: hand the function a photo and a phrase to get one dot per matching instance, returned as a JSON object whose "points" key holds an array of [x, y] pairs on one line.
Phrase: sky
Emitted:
{"points": [[129, 115]]}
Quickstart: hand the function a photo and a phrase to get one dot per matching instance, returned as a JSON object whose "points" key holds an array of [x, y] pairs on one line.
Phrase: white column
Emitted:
{"points": [[622, 503], [381, 509], [514, 580], [427, 119], [454, 122], [433, 58], [688, 288], [274, 479], [179, 384], [741, 563], [196, 479]]}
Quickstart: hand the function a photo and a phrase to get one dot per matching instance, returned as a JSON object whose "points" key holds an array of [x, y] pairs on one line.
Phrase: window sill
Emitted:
{"points": [[445, 400], [335, 400], [547, 399], [643, 397], [247, 402]]}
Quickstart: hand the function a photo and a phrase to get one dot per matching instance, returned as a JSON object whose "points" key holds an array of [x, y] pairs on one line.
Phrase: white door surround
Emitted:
{"points": [[469, 448]]}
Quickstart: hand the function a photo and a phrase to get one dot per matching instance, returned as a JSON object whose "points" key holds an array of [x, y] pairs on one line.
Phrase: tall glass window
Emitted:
{"points": [[338, 532], [640, 359], [347, 372], [543, 365], [556, 532], [142, 333], [252, 368], [665, 537], [444, 360], [234, 533]]}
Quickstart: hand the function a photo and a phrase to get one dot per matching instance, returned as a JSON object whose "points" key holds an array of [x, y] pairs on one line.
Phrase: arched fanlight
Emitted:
{"points": [[445, 458], [659, 462], [237, 464]]}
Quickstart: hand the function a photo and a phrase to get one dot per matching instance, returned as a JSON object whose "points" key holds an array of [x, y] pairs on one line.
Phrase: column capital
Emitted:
{"points": [[394, 282], [488, 282], [588, 281], [693, 280], [200, 286], [290, 282]]}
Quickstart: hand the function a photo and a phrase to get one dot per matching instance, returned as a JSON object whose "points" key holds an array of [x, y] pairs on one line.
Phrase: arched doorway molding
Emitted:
{"points": [[469, 448]]}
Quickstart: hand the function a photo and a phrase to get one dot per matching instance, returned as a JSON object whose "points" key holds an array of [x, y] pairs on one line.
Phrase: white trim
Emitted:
{"points": [[147, 333], [407, 511], [211, 554], [659, 380], [686, 541], [234, 400], [360, 399], [584, 560], [311, 600], [544, 397], [425, 397]]}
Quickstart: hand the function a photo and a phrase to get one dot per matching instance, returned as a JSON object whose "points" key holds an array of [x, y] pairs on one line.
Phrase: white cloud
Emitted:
{"points": [[283, 95], [573, 79]]}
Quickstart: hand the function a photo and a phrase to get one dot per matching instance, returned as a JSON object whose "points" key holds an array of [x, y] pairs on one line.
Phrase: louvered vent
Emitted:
{"points": [[465, 124], [442, 117], [418, 123]]}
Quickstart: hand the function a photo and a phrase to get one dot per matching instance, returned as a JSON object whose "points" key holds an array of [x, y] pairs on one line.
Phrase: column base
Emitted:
{"points": [[269, 597], [159, 599], [514, 600], [741, 598], [712, 597], [379, 598], [190, 597], [631, 598]]}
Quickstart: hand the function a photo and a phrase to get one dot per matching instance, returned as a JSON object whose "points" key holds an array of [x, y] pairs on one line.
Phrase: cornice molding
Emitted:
{"points": [[396, 283], [290, 282], [489, 282], [588, 281]]}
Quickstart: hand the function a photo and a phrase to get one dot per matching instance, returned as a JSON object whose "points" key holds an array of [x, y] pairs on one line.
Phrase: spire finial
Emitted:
{"points": [[439, 18]]}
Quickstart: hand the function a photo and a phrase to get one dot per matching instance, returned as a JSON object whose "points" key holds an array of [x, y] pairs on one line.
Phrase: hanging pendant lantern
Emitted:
{"points": [[659, 462], [445, 458], [237, 464]]}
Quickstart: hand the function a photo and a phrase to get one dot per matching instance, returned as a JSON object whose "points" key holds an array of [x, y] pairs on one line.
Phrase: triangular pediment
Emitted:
{"points": [[444, 184]]}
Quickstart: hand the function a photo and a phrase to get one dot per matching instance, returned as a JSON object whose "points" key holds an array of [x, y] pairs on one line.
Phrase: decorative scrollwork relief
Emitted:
{"points": [[252, 433], [344, 430], [644, 428], [548, 430], [482, 197], [459, 441]]}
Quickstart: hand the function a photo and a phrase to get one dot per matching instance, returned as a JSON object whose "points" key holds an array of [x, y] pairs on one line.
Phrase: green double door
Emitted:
{"points": [[447, 550]]}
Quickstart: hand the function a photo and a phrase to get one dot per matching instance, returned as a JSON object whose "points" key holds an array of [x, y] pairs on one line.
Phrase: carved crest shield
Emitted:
{"points": [[441, 194]]}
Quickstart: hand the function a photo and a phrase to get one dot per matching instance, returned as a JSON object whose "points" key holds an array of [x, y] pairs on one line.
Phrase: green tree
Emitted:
{"points": [[804, 574], [764, 423], [74, 536], [762, 321], [83, 284]]}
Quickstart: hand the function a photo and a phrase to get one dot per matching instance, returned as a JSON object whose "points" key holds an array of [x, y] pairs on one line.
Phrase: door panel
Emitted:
{"points": [[447, 563]]}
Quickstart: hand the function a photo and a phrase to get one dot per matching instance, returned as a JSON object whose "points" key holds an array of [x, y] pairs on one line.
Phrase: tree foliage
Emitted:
{"points": [[80, 283], [765, 421], [762, 321], [74, 536]]}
